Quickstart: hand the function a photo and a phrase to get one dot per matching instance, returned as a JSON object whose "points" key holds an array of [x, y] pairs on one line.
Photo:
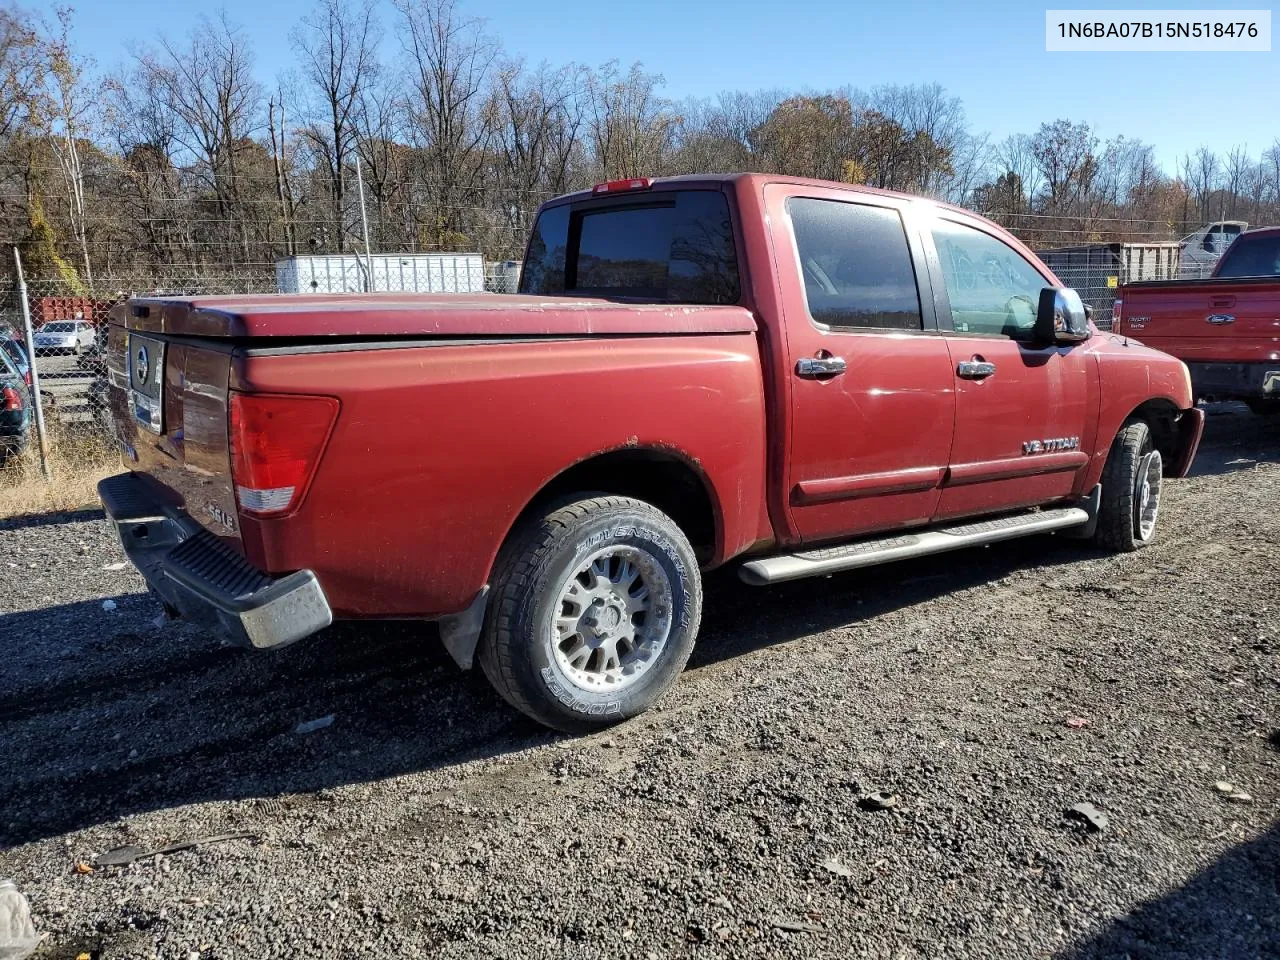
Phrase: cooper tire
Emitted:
{"points": [[595, 561], [1131, 487]]}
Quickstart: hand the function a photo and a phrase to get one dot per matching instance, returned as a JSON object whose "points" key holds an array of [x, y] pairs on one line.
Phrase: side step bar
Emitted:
{"points": [[868, 553]]}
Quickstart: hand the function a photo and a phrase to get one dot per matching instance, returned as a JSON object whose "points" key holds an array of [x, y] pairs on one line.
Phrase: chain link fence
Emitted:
{"points": [[1098, 271], [67, 358]]}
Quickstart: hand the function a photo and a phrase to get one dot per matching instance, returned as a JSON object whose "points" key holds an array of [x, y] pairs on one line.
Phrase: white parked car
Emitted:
{"points": [[72, 335]]}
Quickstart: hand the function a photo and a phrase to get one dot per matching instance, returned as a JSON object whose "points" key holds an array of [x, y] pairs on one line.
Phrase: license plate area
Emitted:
{"points": [[146, 381]]}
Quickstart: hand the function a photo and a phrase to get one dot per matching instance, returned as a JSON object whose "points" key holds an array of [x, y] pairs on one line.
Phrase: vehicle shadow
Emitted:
{"points": [[51, 519], [105, 715], [1229, 909], [738, 618], [1236, 439]]}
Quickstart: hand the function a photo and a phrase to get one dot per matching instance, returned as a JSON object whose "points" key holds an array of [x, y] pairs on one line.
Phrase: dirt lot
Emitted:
{"points": [[429, 820]]}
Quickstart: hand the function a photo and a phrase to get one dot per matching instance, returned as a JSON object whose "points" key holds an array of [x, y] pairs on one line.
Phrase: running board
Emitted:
{"points": [[869, 553]]}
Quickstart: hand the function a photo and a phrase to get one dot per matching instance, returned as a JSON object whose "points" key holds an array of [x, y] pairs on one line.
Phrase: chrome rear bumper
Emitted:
{"points": [[201, 579]]}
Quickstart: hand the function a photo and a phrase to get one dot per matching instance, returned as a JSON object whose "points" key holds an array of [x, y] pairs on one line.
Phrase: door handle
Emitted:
{"points": [[975, 369], [1220, 319], [819, 368]]}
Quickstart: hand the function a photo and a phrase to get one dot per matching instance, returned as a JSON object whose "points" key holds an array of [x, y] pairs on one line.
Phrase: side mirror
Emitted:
{"points": [[1061, 317]]}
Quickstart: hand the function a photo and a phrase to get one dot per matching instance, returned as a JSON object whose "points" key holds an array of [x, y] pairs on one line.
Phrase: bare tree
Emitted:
{"points": [[631, 126], [1236, 173], [934, 128], [536, 123], [22, 69], [208, 84], [284, 190], [388, 163], [1204, 170], [1016, 154], [451, 57], [1064, 153], [138, 111], [70, 122], [336, 45]]}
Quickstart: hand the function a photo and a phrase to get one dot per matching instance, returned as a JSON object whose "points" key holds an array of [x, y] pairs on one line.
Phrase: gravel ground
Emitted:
{"points": [[429, 820]]}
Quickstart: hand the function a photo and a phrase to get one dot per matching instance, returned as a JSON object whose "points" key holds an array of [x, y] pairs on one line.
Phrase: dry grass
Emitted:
{"points": [[78, 462]]}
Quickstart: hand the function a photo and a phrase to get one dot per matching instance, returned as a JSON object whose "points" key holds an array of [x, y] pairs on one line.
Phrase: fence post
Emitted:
{"points": [[35, 373], [364, 220]]}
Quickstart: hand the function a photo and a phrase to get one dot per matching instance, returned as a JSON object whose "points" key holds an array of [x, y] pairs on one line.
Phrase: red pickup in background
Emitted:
{"points": [[796, 377], [1226, 328]]}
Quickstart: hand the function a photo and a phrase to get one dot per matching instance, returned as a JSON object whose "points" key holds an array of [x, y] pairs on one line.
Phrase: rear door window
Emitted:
{"points": [[665, 247], [856, 265]]}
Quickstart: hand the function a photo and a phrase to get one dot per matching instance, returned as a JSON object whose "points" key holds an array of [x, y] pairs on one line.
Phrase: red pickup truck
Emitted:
{"points": [[792, 376], [1226, 328]]}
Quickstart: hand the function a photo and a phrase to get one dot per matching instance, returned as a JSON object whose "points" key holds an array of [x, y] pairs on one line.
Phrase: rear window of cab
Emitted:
{"points": [[1256, 256], [663, 247]]}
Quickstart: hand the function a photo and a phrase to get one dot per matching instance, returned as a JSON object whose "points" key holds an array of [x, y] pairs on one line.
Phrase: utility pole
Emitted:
{"points": [[364, 220], [35, 373]]}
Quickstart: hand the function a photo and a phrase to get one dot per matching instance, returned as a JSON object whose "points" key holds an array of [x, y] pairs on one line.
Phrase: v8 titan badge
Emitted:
{"points": [[1050, 446]]}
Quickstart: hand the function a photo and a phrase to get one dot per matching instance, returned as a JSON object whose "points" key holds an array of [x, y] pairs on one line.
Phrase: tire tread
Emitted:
{"points": [[1115, 520], [519, 562]]}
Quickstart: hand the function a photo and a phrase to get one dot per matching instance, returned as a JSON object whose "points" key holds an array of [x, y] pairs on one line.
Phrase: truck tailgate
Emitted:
{"points": [[170, 402], [1215, 320]]}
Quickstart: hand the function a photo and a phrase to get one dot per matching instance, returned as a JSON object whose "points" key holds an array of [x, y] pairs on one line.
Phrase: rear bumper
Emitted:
{"points": [[1235, 381], [203, 580]]}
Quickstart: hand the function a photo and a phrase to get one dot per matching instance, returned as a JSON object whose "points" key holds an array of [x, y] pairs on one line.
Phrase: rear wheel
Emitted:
{"points": [[595, 609], [1131, 486]]}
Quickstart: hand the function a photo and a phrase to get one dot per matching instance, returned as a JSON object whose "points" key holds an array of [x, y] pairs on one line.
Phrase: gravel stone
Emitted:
{"points": [[434, 821]]}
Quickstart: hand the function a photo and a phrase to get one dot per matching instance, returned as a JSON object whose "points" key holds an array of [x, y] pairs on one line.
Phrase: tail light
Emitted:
{"points": [[276, 443], [10, 399], [1116, 314], [26, 378]]}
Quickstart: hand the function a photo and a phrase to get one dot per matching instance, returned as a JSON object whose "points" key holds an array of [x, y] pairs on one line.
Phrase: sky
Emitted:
{"points": [[991, 55]]}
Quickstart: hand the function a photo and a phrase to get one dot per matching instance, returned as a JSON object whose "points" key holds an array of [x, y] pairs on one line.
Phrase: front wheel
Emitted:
{"points": [[595, 609], [1131, 487]]}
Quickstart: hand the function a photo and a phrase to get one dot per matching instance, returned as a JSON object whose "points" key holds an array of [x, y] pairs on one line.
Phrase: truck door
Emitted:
{"points": [[866, 375], [1024, 413]]}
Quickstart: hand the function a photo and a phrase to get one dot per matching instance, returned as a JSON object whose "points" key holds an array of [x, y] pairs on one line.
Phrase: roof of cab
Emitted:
{"points": [[705, 179]]}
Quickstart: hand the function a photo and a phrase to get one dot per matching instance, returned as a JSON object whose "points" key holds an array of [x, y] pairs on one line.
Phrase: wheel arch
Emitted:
{"points": [[1163, 418], [665, 477]]}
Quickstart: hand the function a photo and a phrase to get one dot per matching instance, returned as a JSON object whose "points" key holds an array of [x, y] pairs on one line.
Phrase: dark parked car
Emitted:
{"points": [[17, 352], [15, 409]]}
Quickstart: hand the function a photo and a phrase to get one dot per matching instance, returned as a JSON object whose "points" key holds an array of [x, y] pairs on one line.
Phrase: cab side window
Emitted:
{"points": [[992, 287], [856, 265]]}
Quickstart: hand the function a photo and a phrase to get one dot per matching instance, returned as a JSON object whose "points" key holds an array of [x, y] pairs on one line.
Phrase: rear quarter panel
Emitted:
{"points": [[439, 448]]}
